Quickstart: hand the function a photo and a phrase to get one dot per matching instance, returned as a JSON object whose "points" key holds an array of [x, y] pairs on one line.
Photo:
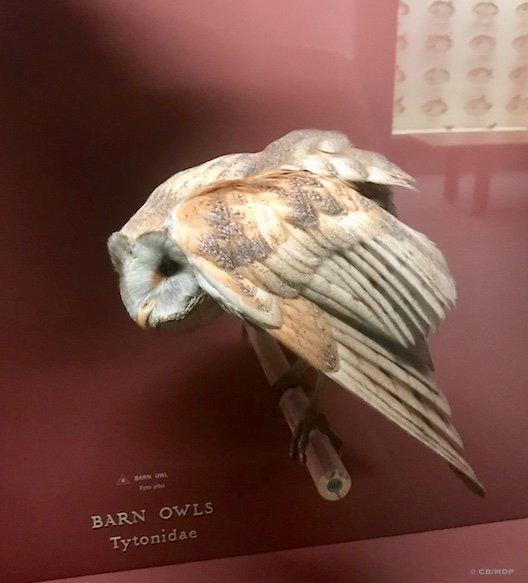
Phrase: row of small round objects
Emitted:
{"points": [[483, 11], [482, 44], [477, 76], [517, 105]]}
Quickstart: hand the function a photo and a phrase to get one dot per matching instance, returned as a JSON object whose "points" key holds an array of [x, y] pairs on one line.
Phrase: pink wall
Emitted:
{"points": [[103, 100]]}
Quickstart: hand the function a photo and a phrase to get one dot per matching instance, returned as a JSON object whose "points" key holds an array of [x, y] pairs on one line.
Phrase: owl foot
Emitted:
{"points": [[312, 419]]}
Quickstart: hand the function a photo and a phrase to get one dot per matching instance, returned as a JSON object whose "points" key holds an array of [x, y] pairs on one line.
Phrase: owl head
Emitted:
{"points": [[157, 283]]}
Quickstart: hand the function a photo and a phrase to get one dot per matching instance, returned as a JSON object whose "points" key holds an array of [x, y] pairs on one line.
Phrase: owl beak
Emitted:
{"points": [[144, 313]]}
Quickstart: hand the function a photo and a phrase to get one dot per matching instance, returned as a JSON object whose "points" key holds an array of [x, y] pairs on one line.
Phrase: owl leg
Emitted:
{"points": [[290, 379], [313, 419]]}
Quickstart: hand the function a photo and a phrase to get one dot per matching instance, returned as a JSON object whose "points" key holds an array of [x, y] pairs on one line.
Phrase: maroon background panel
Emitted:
{"points": [[101, 101]]}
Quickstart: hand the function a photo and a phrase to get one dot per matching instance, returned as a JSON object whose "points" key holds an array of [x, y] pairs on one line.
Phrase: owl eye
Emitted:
{"points": [[168, 267]]}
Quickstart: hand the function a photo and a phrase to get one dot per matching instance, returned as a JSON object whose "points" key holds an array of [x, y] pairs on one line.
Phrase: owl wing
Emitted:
{"points": [[330, 153], [337, 280]]}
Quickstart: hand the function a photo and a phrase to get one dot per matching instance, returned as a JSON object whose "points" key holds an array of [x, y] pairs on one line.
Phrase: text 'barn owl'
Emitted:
{"points": [[300, 240]]}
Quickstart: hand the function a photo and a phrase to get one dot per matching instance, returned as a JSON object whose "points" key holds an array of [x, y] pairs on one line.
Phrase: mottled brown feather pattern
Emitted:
{"points": [[272, 220], [336, 279]]}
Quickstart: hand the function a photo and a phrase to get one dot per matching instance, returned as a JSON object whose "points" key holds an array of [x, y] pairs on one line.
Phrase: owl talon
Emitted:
{"points": [[312, 420]]}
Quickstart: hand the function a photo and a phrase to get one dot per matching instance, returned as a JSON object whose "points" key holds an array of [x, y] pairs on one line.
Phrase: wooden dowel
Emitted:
{"points": [[322, 461]]}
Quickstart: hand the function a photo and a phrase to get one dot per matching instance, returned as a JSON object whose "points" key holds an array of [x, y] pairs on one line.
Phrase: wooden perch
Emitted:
{"points": [[322, 461]]}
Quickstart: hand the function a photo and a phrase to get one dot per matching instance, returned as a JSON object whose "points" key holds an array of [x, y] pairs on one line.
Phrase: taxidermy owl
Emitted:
{"points": [[301, 241]]}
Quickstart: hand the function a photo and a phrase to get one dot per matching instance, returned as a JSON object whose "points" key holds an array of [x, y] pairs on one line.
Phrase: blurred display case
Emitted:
{"points": [[461, 81], [109, 434], [462, 67]]}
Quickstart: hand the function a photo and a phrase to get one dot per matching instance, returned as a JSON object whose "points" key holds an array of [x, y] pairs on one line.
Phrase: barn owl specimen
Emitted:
{"points": [[294, 240]]}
